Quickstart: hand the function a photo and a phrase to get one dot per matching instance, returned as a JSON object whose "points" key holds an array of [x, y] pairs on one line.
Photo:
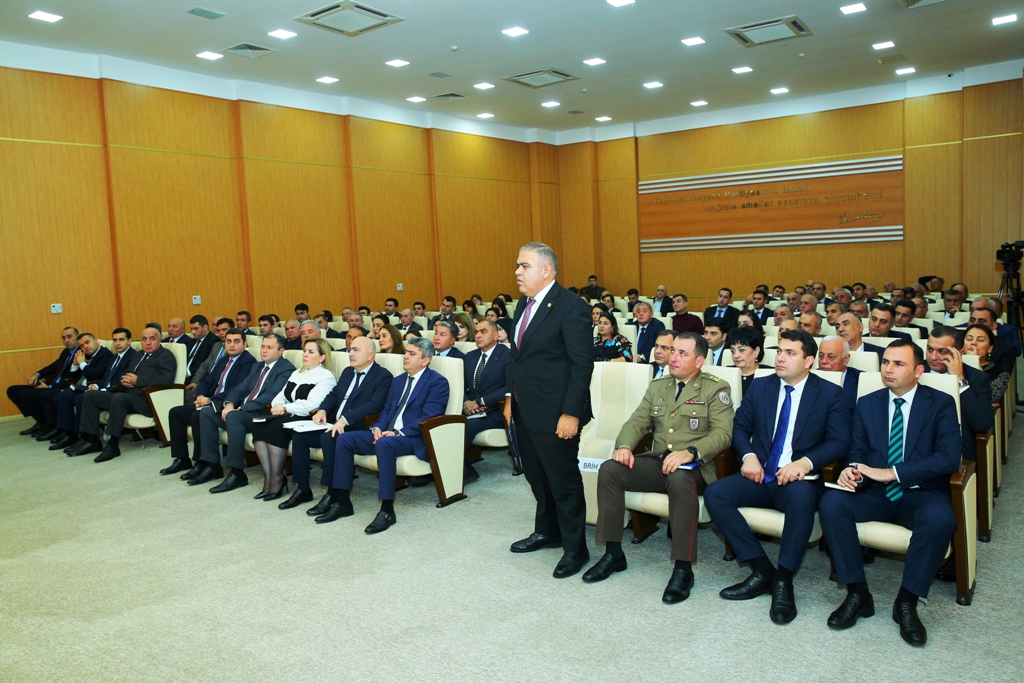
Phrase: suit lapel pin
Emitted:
{"points": [[549, 305]]}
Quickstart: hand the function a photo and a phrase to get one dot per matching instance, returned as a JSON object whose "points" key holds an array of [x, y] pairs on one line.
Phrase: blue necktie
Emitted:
{"points": [[67, 363], [894, 490], [401, 406], [640, 338], [111, 373], [779, 441]]}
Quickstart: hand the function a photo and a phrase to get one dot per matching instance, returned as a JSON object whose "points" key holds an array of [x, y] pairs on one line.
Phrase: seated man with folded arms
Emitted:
{"points": [[486, 370], [293, 340], [216, 353], [834, 356], [360, 392], [267, 324], [89, 364], [416, 395], [945, 356], [407, 323], [247, 401], [445, 333], [233, 366], [24, 396], [152, 366], [789, 426], [69, 404], [690, 414], [904, 447]]}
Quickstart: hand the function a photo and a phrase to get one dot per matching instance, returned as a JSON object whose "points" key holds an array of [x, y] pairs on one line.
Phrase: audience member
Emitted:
{"points": [[444, 340], [609, 302], [390, 340], [486, 370], [716, 331], [609, 345], [648, 328], [55, 376], [782, 312], [390, 306], [683, 320], [447, 312], [661, 303], [758, 299], [202, 342], [747, 346], [723, 312], [291, 334], [980, 341], [465, 326], [944, 355], [90, 362], [810, 323], [407, 322], [834, 356], [592, 290], [267, 324], [301, 313], [663, 353]]}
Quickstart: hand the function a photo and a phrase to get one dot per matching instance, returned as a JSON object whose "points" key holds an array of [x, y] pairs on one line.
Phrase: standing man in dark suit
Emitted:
{"points": [[90, 363], [232, 368], [723, 312], [787, 428], [445, 334], [203, 342], [905, 445], [19, 393], [648, 329], [549, 382], [69, 404], [834, 356], [944, 356], [153, 366], [360, 392], [486, 375]]}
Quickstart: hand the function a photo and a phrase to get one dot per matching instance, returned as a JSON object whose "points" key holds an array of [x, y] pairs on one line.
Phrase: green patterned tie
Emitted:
{"points": [[894, 490]]}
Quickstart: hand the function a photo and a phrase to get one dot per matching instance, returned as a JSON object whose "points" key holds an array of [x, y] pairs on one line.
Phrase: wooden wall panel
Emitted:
{"points": [[579, 214], [285, 134], [993, 109], [472, 156], [39, 106], [544, 200], [617, 198], [388, 146]]}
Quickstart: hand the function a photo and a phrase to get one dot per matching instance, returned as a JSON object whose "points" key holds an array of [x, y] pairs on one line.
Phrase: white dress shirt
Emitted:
{"points": [[415, 379], [794, 407], [484, 357]]}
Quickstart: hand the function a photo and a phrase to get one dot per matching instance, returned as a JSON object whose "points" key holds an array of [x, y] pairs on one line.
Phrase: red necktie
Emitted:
{"points": [[223, 376], [259, 383], [525, 321]]}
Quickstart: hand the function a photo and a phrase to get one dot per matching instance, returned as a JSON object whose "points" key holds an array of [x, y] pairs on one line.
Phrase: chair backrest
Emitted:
{"points": [[936, 306], [972, 360], [769, 357], [834, 377], [465, 346], [255, 353], [294, 356], [106, 343], [336, 344], [616, 389], [730, 375], [137, 345], [870, 382], [421, 321], [827, 329], [926, 323], [339, 326], [772, 305], [180, 352], [253, 341], [340, 361], [912, 331], [763, 372], [451, 369], [392, 362], [879, 341], [865, 361], [428, 334], [629, 332]]}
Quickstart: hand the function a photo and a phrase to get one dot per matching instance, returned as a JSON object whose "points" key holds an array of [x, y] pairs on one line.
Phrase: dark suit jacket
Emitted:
{"points": [[666, 305], [239, 371], [99, 365], [61, 366], [880, 350], [931, 450], [414, 327], [183, 339], [850, 389], [112, 377], [976, 416], [895, 334], [332, 333], [1004, 355], [495, 377], [730, 315], [594, 292], [687, 322], [158, 371], [428, 399], [924, 332], [293, 344], [654, 328], [199, 353], [439, 316], [763, 316], [455, 353], [272, 385], [203, 370], [369, 400], [550, 375], [821, 432]]}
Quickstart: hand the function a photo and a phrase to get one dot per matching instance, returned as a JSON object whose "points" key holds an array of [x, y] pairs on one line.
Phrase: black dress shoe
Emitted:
{"points": [[335, 512], [194, 472], [605, 567], [783, 609], [206, 473], [469, 475], [321, 507], [536, 542], [33, 430], [77, 444], [46, 435], [260, 496], [911, 628], [382, 522], [231, 482], [109, 452], [571, 563], [299, 497], [279, 494], [753, 586], [60, 436], [421, 480], [678, 588], [87, 448], [179, 465], [62, 443], [853, 608]]}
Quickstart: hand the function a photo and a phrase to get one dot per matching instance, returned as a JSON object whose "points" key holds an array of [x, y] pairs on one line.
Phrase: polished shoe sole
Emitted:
{"points": [[780, 621], [864, 613], [539, 546], [587, 578]]}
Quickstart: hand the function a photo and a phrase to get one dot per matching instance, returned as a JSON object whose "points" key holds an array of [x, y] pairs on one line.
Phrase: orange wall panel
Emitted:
{"points": [[388, 146], [472, 156], [286, 134], [39, 106]]}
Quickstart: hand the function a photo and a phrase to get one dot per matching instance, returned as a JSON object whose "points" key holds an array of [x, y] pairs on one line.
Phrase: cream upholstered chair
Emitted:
{"points": [[466, 346], [427, 334], [421, 321], [253, 341], [338, 326], [255, 353], [987, 461], [914, 333], [444, 436], [865, 361], [616, 389], [336, 344], [160, 399], [392, 362], [959, 318], [926, 323], [106, 343]]}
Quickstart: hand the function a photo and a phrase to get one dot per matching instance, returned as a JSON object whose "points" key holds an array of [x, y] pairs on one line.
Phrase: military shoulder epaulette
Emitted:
{"points": [[711, 377]]}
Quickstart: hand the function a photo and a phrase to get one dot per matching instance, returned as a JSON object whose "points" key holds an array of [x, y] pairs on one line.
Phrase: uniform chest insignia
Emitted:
{"points": [[723, 396], [694, 423], [694, 402]]}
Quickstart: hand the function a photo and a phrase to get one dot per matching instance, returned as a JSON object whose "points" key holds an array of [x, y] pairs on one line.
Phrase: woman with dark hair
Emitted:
{"points": [[609, 303], [508, 298], [747, 346], [469, 306], [411, 334], [504, 330], [595, 314], [609, 345], [499, 304], [747, 319], [391, 340], [492, 314], [980, 341]]}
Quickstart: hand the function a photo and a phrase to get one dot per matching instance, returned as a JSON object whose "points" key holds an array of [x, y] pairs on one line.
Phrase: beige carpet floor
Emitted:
{"points": [[110, 572]]}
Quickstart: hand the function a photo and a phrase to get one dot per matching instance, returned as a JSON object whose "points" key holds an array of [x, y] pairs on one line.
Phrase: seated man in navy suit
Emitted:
{"points": [[834, 356], [360, 392], [232, 368], [26, 396], [850, 326], [445, 334], [717, 335], [944, 356], [880, 324], [486, 375], [787, 428], [904, 447], [417, 394], [757, 300], [648, 329], [89, 364], [69, 403]]}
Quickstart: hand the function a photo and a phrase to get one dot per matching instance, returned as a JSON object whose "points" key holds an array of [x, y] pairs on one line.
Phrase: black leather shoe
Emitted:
{"points": [[469, 475], [87, 448], [911, 628], [207, 472], [279, 494], [62, 443], [194, 472], [783, 609], [321, 507], [755, 585], [297, 498], [536, 542], [231, 482], [60, 436], [678, 588], [179, 465], [260, 496], [335, 511], [109, 452], [421, 480], [381, 522], [571, 563], [605, 567], [853, 608], [46, 434], [33, 430], [77, 444]]}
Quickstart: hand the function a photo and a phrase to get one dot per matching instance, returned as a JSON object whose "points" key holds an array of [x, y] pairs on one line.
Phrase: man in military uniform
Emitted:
{"points": [[691, 416]]}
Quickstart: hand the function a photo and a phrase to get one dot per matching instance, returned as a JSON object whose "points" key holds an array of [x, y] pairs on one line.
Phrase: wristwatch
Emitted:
{"points": [[963, 383], [696, 455]]}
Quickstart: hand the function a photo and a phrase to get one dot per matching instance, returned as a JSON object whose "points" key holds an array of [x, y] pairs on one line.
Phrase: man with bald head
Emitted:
{"points": [[176, 333], [889, 286], [810, 322], [662, 301], [834, 356], [407, 322]]}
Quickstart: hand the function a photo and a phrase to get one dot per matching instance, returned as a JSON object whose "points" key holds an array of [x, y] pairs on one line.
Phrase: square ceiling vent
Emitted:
{"points": [[911, 4], [541, 78], [770, 31], [348, 18], [248, 50]]}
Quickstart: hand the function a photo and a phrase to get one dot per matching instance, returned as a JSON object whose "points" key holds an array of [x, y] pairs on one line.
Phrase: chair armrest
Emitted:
{"points": [[964, 498], [445, 439], [160, 401], [370, 419], [725, 463], [959, 479], [830, 472]]}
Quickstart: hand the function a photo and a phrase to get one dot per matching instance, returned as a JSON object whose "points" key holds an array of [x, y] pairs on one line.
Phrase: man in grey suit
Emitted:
{"points": [[246, 402]]}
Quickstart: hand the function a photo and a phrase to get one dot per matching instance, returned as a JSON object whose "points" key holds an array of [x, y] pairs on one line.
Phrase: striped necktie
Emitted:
{"points": [[894, 490], [479, 376]]}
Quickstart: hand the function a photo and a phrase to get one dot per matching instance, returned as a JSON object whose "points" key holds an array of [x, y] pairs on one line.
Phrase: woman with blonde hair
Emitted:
{"points": [[467, 328]]}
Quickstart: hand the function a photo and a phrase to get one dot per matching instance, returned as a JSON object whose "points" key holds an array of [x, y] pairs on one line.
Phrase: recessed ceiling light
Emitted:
{"points": [[699, 103], [416, 98], [602, 119], [620, 3], [884, 46], [397, 62], [282, 34], [1008, 19], [593, 62], [904, 72], [742, 70], [690, 42], [485, 115], [552, 103], [484, 86], [652, 85], [853, 9], [212, 56], [327, 79], [780, 91], [515, 31], [51, 18]]}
